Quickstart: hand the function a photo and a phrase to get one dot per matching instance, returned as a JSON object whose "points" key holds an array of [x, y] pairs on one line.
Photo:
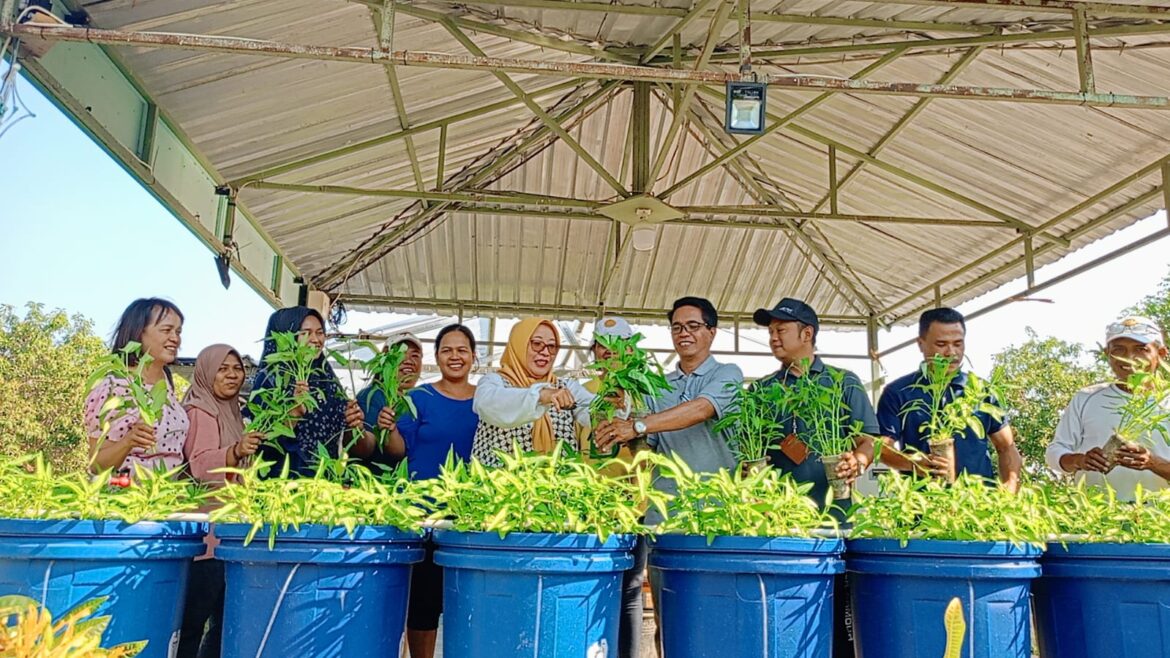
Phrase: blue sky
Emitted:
{"points": [[80, 234]]}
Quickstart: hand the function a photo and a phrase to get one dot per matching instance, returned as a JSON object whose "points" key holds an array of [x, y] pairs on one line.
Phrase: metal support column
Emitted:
{"points": [[1166, 190], [1084, 52], [641, 138], [875, 366], [1029, 261], [833, 179]]}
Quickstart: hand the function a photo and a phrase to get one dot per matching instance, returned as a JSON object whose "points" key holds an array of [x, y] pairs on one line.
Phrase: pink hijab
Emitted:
{"points": [[201, 395]]}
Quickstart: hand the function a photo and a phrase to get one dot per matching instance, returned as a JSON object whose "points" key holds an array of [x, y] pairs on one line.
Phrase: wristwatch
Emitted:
{"points": [[640, 427]]}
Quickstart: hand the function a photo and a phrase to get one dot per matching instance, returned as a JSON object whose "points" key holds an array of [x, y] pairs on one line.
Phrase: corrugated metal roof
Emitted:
{"points": [[1029, 162]]}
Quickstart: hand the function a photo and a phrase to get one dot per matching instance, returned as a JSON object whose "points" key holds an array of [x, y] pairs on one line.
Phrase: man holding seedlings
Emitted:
{"points": [[902, 411], [1134, 345], [792, 335], [377, 415]]}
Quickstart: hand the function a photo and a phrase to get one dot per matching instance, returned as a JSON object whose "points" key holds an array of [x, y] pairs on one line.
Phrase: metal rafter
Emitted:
{"points": [[536, 109], [677, 28], [773, 126], [383, 18], [499, 65], [904, 122]]}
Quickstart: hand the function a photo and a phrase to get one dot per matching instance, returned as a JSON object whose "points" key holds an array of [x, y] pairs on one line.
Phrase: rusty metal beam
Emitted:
{"points": [[383, 18], [499, 65], [1084, 52], [1052, 6]]}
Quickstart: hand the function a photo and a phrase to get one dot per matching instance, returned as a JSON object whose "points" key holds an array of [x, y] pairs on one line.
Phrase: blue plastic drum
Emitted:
{"points": [[141, 567], [746, 596], [900, 594], [531, 595], [318, 592]]}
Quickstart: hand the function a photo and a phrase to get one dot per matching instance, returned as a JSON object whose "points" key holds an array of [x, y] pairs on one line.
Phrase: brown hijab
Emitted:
{"points": [[201, 396]]}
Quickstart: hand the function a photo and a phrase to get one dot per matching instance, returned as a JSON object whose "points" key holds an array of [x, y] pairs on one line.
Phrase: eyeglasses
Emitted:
{"points": [[539, 346], [689, 327]]}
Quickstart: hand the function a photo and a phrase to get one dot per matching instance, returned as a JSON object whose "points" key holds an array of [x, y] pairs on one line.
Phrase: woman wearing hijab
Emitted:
{"points": [[215, 440], [329, 424], [525, 404]]}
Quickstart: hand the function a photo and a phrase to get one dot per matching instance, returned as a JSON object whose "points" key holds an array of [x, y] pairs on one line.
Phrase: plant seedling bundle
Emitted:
{"points": [[946, 417], [271, 409], [1144, 412], [761, 503], [382, 370], [631, 373], [148, 400], [755, 423], [554, 493]]}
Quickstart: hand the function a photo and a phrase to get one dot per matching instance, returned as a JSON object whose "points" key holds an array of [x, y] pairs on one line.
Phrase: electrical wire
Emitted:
{"points": [[12, 107]]}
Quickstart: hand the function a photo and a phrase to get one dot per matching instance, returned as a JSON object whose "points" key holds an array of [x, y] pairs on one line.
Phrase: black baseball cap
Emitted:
{"points": [[788, 310]]}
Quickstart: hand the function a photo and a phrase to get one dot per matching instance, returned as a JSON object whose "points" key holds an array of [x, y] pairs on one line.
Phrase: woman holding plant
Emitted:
{"points": [[525, 405], [300, 398], [131, 415], [443, 424], [405, 353], [1118, 434]]}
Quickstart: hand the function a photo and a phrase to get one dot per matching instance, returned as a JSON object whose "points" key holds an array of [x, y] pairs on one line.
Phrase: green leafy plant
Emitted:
{"points": [[948, 418], [271, 409], [1144, 412], [148, 400], [1094, 514], [822, 409], [969, 510], [753, 421], [29, 489], [340, 494], [630, 370], [762, 503], [29, 631], [556, 492], [382, 369]]}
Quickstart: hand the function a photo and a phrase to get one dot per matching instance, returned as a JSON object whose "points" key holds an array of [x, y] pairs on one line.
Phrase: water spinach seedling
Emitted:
{"points": [[1145, 412], [557, 492], [631, 373], [382, 369], [271, 409], [754, 422], [148, 400], [949, 416], [1085, 513]]}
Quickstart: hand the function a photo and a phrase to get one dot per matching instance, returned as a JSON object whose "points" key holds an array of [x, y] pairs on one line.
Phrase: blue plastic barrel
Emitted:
{"points": [[141, 567], [530, 594], [1104, 600], [746, 596], [318, 592], [900, 594]]}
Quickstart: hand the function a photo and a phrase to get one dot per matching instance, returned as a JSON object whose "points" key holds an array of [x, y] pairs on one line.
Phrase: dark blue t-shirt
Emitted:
{"points": [[442, 424], [971, 452]]}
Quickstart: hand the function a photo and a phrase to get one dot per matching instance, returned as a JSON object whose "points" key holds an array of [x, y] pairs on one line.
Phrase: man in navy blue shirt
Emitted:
{"points": [[941, 332]]}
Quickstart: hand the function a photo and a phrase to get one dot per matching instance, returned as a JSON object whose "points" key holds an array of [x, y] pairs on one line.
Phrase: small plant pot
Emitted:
{"points": [[754, 466], [841, 487], [946, 448], [1113, 445]]}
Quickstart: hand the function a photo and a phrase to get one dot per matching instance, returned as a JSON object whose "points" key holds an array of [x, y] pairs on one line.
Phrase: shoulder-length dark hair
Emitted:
{"points": [[140, 314]]}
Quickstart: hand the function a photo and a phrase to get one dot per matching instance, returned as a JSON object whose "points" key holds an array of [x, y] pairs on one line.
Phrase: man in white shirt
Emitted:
{"points": [[1092, 416]]}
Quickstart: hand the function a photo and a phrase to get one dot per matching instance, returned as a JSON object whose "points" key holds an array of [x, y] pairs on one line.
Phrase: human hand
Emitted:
{"points": [[387, 420], [354, 418], [557, 398], [141, 436]]}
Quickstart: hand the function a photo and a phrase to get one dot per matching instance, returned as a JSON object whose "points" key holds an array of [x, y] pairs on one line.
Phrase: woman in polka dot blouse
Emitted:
{"points": [[330, 422], [157, 325]]}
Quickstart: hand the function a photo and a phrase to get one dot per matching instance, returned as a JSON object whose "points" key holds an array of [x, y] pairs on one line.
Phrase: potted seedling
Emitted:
{"points": [[1107, 562], [753, 422], [825, 415], [746, 562], [948, 416], [922, 542], [29, 630], [551, 535], [335, 556], [1143, 413], [66, 538], [630, 374]]}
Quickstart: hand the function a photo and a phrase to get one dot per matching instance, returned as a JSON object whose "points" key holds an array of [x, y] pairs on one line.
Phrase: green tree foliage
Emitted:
{"points": [[45, 358], [1041, 376], [1155, 306]]}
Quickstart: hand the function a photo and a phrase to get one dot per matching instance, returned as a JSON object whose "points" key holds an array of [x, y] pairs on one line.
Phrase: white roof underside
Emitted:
{"points": [[1030, 162]]}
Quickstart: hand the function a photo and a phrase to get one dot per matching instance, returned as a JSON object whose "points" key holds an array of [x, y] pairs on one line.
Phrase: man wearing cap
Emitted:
{"points": [[373, 403], [1092, 416], [943, 332], [792, 334], [630, 622]]}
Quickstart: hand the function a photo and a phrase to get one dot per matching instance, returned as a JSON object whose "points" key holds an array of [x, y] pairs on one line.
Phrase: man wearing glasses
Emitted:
{"points": [[681, 421], [1092, 417]]}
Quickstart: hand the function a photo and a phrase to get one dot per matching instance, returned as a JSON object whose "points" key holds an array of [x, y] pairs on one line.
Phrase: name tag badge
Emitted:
{"points": [[794, 449]]}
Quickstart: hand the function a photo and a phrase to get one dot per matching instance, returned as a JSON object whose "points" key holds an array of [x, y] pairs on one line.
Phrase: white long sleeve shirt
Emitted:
{"points": [[1087, 423], [506, 406]]}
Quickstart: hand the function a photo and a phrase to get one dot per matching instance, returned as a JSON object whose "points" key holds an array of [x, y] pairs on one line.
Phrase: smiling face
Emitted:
{"points": [[411, 366], [690, 334], [312, 333], [542, 349], [161, 339], [1126, 354], [947, 340], [455, 357], [229, 378], [790, 342]]}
